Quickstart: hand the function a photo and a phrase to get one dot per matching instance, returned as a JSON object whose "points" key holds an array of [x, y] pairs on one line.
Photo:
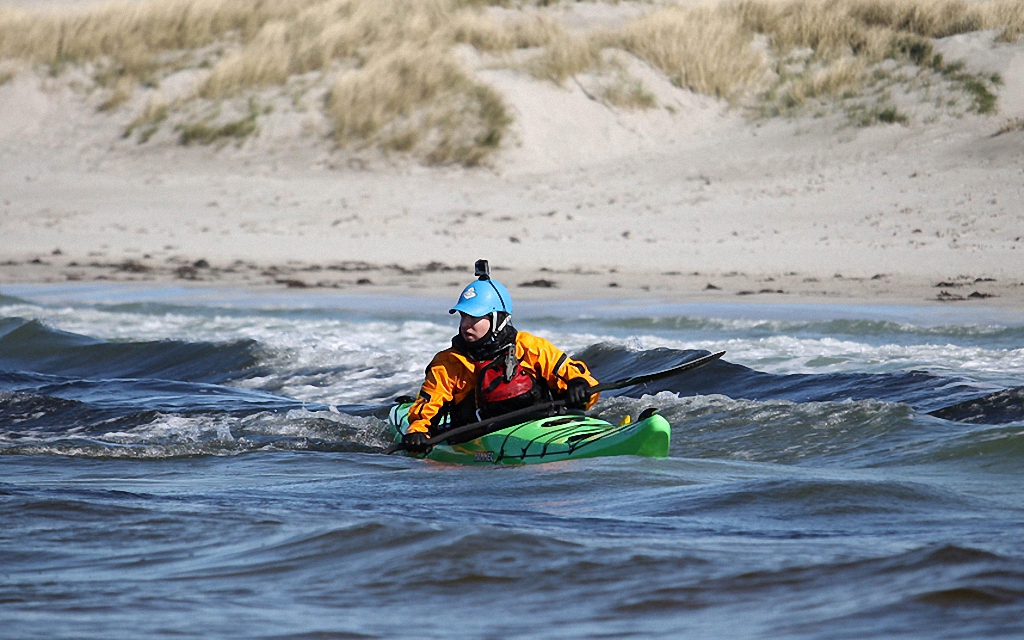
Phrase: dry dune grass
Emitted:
{"points": [[406, 92], [403, 96], [317, 35], [844, 39], [566, 56], [395, 82], [703, 49], [406, 43], [839, 27], [132, 35], [487, 34], [816, 49], [1008, 17]]}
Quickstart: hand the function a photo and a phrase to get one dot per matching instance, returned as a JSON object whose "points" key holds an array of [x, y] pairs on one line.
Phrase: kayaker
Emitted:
{"points": [[491, 368]]}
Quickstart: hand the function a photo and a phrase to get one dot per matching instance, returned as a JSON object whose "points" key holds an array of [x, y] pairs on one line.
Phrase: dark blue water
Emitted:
{"points": [[178, 466]]}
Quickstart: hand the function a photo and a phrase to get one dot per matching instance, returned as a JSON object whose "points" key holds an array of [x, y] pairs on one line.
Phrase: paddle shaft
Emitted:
{"points": [[535, 410], [549, 408]]}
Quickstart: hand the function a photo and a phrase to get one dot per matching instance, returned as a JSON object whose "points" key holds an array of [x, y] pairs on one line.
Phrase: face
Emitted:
{"points": [[472, 329]]}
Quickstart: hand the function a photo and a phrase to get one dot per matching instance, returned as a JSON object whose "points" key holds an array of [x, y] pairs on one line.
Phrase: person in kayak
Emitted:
{"points": [[491, 368]]}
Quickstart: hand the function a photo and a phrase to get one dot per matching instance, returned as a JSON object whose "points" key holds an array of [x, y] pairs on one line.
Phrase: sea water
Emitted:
{"points": [[207, 463]]}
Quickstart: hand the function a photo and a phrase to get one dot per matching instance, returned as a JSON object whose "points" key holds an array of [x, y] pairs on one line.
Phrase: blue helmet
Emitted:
{"points": [[484, 297]]}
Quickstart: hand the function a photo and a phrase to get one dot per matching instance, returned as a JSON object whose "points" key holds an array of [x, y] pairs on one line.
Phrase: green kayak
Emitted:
{"points": [[564, 437]]}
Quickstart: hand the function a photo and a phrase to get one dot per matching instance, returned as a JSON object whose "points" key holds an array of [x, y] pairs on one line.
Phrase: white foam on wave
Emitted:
{"points": [[309, 358], [171, 435], [815, 355], [173, 429], [858, 432], [320, 357]]}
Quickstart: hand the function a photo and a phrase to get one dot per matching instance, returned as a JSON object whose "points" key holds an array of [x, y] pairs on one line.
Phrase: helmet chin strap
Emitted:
{"points": [[495, 329]]}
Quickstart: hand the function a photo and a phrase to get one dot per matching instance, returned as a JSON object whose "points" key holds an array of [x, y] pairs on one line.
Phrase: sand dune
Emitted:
{"points": [[693, 199]]}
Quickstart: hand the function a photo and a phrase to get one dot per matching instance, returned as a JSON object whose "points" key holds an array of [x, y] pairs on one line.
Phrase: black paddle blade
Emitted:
{"points": [[649, 377]]}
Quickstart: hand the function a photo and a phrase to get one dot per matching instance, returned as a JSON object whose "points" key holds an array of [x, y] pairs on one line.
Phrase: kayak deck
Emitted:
{"points": [[563, 437]]}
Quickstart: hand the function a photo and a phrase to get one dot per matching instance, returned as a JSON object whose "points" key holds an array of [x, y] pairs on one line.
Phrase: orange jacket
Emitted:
{"points": [[451, 377]]}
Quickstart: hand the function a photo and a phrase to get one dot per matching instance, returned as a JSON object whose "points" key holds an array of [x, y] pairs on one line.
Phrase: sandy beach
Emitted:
{"points": [[693, 200]]}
